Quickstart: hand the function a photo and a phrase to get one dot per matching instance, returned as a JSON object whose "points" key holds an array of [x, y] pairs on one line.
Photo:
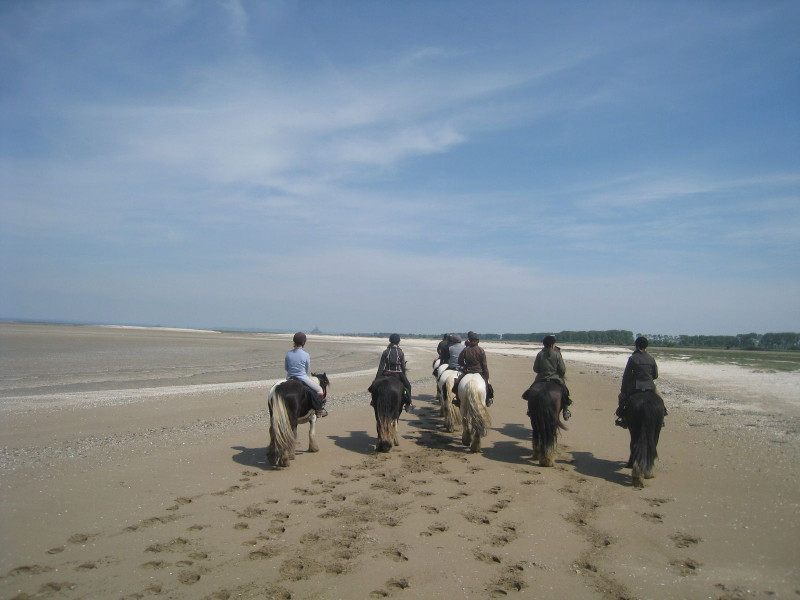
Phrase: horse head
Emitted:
{"points": [[324, 382]]}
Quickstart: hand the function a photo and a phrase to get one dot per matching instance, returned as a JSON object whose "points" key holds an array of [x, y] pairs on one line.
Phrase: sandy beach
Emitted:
{"points": [[133, 466]]}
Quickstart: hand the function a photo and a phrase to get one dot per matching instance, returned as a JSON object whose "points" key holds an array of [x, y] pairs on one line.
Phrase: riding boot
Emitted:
{"points": [[318, 404], [620, 413], [407, 406]]}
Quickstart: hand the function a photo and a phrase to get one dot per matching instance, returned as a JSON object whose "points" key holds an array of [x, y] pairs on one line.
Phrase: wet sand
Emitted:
{"points": [[160, 488]]}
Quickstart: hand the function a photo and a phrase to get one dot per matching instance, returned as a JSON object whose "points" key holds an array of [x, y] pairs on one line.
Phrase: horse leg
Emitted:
{"points": [[394, 433], [466, 435], [312, 430], [476, 443], [293, 446]]}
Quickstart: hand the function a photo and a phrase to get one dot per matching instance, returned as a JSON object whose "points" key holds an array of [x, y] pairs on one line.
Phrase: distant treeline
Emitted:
{"points": [[621, 337], [743, 341], [612, 336]]}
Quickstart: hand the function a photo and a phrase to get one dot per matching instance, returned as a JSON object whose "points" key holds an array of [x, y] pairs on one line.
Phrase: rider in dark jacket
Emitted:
{"points": [[549, 366], [393, 362], [639, 376], [473, 360]]}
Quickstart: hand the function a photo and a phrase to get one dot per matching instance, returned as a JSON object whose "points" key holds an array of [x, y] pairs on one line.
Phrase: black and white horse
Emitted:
{"points": [[290, 404], [544, 409], [474, 415], [645, 416], [387, 399]]}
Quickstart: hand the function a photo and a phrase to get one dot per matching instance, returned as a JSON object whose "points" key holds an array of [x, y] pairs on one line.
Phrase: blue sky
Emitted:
{"points": [[410, 166]]}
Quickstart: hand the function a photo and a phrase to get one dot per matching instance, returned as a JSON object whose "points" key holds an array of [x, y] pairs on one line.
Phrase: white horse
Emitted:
{"points": [[450, 412], [476, 419]]}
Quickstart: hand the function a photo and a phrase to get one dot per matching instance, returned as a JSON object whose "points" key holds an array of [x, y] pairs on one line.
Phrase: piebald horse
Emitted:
{"points": [[290, 404], [475, 417]]}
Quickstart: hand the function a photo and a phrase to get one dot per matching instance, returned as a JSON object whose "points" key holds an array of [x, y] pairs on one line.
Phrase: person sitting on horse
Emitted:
{"points": [[454, 350], [443, 349], [393, 362], [549, 366], [639, 376], [473, 360], [298, 366]]}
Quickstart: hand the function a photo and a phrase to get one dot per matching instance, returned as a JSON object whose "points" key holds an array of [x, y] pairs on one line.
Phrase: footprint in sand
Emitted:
{"points": [[653, 517], [510, 581], [435, 528], [188, 577], [81, 538], [685, 567], [171, 546], [507, 535], [684, 540], [148, 591], [397, 553], [656, 502], [29, 570], [486, 557]]}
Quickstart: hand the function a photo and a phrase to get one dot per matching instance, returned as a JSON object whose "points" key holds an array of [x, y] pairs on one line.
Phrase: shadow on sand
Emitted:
{"points": [[359, 442], [612, 471], [252, 457]]}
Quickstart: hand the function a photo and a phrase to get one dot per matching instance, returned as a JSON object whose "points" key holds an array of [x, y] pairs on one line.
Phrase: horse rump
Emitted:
{"points": [[387, 399], [644, 415], [544, 409], [282, 436]]}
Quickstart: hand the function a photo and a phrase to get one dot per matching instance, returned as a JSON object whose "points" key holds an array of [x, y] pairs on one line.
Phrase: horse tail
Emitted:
{"points": [[450, 412], [387, 405], [643, 450], [546, 421], [282, 440], [473, 405]]}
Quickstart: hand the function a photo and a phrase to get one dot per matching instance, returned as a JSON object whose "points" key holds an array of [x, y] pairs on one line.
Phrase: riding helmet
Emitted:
{"points": [[394, 338], [549, 340]]}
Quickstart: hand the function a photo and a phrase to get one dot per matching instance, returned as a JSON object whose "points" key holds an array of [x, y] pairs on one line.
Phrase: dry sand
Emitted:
{"points": [[159, 488]]}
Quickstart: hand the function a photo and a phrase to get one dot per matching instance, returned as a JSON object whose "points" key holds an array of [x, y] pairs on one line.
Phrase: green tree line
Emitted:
{"points": [[742, 341]]}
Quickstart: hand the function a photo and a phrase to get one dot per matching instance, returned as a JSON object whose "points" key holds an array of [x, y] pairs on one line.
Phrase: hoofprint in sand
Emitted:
{"points": [[171, 496]]}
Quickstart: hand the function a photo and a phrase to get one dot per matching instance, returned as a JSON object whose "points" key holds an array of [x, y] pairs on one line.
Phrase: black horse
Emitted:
{"points": [[291, 403], [644, 415], [387, 400], [544, 409]]}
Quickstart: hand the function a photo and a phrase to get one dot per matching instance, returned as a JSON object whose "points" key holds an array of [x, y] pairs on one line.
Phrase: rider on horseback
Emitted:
{"points": [[639, 376], [549, 366], [473, 360], [298, 366], [393, 362]]}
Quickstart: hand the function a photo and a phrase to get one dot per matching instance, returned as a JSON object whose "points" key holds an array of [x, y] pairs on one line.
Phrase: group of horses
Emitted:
{"points": [[290, 405]]}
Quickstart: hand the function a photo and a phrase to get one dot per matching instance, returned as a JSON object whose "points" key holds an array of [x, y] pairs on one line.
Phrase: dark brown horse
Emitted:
{"points": [[645, 417], [544, 409], [290, 404], [387, 400]]}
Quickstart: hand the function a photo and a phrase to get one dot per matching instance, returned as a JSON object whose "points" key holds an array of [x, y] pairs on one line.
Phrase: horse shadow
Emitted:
{"points": [[508, 452], [587, 464], [359, 442], [518, 431], [252, 457]]}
